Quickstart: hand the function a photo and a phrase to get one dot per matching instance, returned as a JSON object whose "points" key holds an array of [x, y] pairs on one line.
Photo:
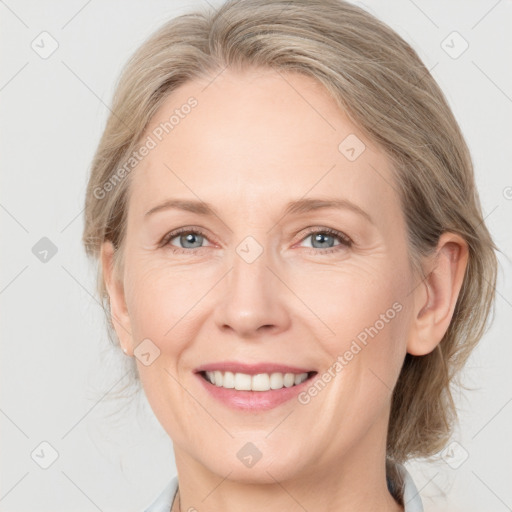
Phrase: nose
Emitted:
{"points": [[253, 299]]}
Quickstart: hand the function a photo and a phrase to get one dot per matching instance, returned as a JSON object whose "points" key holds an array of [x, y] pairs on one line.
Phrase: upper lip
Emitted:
{"points": [[251, 368]]}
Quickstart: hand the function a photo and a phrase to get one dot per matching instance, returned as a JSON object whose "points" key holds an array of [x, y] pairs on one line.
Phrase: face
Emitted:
{"points": [[278, 270]]}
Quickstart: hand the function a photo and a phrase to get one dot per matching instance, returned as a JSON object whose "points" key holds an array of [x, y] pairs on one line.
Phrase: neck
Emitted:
{"points": [[354, 482]]}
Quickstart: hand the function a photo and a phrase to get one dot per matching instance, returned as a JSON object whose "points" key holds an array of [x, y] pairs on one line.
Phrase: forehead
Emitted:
{"points": [[261, 137]]}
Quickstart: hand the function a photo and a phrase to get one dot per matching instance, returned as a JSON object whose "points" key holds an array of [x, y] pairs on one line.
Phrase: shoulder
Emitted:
{"points": [[164, 500]]}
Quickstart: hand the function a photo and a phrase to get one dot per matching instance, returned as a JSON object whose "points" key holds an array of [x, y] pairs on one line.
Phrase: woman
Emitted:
{"points": [[339, 271]]}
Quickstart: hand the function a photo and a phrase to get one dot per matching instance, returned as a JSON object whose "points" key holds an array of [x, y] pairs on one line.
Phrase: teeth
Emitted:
{"points": [[229, 380], [242, 382], [300, 378], [259, 382], [289, 380], [276, 381]]}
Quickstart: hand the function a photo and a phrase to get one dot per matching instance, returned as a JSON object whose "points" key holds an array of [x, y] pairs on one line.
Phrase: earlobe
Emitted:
{"points": [[118, 310], [435, 298]]}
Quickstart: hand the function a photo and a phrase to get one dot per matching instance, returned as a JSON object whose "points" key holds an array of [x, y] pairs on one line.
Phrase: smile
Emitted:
{"points": [[258, 382], [253, 386]]}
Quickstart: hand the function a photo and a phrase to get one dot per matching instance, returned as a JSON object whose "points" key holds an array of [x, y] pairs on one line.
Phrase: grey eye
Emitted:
{"points": [[194, 239], [322, 240]]}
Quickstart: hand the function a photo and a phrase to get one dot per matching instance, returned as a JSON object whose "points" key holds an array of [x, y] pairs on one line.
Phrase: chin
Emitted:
{"points": [[245, 466]]}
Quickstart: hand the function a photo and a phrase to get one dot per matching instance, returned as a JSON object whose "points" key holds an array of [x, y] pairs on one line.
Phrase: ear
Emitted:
{"points": [[436, 296], [115, 289]]}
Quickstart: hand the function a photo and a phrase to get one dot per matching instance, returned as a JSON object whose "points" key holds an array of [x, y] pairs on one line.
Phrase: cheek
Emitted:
{"points": [[359, 307], [369, 314], [161, 303], [163, 299]]}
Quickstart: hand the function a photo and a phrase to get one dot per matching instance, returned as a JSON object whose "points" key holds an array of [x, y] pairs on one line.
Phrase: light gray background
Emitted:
{"points": [[56, 368]]}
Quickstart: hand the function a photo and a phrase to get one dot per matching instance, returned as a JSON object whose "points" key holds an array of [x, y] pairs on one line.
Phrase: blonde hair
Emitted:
{"points": [[384, 88]]}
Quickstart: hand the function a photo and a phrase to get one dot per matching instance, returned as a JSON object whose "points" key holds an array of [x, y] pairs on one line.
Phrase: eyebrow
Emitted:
{"points": [[297, 207]]}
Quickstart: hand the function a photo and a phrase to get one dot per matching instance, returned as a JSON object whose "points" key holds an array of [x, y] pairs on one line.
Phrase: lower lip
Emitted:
{"points": [[253, 400]]}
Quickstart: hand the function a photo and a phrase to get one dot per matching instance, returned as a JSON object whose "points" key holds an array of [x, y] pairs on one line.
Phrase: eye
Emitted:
{"points": [[325, 240], [186, 238]]}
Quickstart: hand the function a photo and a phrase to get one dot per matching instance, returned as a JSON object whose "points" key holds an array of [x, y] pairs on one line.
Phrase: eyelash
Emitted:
{"points": [[345, 241]]}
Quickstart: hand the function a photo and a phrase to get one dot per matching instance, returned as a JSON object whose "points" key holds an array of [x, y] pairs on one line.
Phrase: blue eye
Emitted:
{"points": [[323, 240], [185, 237], [194, 239]]}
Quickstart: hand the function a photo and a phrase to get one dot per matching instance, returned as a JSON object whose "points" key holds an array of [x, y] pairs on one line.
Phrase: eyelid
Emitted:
{"points": [[187, 229], [323, 229], [345, 240]]}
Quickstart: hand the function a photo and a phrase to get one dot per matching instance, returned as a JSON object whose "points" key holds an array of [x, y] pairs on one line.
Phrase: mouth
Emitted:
{"points": [[259, 382], [253, 386]]}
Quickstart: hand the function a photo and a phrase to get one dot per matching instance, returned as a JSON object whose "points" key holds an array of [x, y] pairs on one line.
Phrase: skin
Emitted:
{"points": [[256, 141]]}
